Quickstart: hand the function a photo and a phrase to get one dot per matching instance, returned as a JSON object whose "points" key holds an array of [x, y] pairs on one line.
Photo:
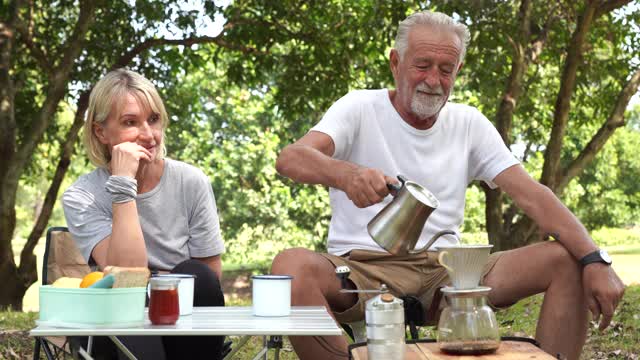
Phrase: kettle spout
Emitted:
{"points": [[433, 240]]}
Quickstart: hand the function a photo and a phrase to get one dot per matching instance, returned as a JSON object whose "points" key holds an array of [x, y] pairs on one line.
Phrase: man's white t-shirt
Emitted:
{"points": [[462, 146]]}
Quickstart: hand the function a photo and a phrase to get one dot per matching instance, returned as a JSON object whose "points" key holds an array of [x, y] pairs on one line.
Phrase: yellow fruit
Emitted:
{"points": [[90, 278], [67, 282]]}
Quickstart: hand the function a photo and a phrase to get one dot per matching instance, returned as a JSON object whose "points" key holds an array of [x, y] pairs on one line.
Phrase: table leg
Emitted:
{"points": [[275, 343], [265, 344], [89, 344], [262, 354], [123, 348], [235, 348], [46, 348], [84, 354]]}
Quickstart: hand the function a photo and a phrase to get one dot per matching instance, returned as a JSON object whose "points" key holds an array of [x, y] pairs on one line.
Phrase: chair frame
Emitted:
{"points": [[41, 342]]}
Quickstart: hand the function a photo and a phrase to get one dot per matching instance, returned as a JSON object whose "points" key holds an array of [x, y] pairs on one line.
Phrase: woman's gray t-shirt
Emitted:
{"points": [[179, 219]]}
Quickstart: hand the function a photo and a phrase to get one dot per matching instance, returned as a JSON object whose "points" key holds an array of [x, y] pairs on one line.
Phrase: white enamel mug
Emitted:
{"points": [[271, 295], [185, 291]]}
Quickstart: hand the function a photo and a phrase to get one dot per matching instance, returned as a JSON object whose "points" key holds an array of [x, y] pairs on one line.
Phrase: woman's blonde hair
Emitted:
{"points": [[107, 99]]}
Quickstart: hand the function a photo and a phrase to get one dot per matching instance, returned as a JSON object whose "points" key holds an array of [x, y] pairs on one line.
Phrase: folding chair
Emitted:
{"points": [[61, 258]]}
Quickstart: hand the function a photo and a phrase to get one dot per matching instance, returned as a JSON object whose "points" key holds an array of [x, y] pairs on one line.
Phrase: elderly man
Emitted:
{"points": [[368, 136]]}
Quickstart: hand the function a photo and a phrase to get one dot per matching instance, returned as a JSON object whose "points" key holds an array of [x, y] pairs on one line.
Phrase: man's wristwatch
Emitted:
{"points": [[597, 256]]}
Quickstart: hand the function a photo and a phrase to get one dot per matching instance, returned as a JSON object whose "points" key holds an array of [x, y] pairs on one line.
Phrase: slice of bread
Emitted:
{"points": [[128, 276]]}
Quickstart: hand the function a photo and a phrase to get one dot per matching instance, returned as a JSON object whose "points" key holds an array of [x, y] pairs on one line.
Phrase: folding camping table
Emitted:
{"points": [[206, 321]]}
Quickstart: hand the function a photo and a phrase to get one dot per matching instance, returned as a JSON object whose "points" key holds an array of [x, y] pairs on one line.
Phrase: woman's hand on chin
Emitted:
{"points": [[126, 158]]}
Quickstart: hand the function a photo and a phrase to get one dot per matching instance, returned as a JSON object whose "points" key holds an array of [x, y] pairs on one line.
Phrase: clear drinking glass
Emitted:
{"points": [[468, 325]]}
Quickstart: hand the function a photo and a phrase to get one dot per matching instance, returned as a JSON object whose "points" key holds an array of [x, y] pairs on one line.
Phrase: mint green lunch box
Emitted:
{"points": [[91, 308]]}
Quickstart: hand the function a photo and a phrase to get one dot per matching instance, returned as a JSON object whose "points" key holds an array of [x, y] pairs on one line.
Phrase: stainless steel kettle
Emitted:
{"points": [[397, 227]]}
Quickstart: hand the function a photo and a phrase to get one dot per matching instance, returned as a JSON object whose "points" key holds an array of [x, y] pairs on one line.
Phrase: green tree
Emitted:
{"points": [[50, 53], [607, 193], [556, 78], [230, 133], [65, 47]]}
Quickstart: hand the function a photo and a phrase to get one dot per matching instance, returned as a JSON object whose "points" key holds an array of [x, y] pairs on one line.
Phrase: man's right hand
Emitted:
{"points": [[126, 157], [365, 186]]}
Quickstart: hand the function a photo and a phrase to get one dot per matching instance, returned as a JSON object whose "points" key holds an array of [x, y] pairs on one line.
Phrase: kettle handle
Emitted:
{"points": [[396, 188], [433, 239]]}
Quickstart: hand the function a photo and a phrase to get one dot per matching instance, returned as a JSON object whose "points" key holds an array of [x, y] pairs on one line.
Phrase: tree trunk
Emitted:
{"points": [[493, 215], [524, 232], [553, 151], [504, 120], [28, 262], [8, 269]]}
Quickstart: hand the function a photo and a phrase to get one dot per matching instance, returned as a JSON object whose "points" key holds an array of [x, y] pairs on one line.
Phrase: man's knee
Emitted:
{"points": [[296, 261], [561, 265], [560, 257], [309, 269]]}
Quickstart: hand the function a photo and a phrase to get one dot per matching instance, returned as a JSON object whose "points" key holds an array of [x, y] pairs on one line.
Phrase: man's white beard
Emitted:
{"points": [[423, 105]]}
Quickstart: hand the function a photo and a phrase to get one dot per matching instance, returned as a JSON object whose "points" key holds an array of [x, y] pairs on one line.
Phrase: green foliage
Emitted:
{"points": [[607, 194], [474, 211], [619, 239], [616, 237], [312, 55], [474, 238], [231, 134]]}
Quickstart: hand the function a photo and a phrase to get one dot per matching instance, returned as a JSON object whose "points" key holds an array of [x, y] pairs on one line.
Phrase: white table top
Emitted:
{"points": [[304, 320]]}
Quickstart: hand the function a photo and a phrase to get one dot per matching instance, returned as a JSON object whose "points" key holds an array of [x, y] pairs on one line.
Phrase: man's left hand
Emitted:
{"points": [[603, 290]]}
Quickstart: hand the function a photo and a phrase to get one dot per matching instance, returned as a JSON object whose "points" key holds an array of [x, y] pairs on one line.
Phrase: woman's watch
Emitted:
{"points": [[597, 256]]}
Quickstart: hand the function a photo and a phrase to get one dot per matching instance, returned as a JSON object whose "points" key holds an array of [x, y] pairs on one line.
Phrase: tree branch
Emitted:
{"points": [[504, 117], [535, 48], [563, 101], [38, 54], [610, 5], [614, 121], [147, 44], [25, 29]]}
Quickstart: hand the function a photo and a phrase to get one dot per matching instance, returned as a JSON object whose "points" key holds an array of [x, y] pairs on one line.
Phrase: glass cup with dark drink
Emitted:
{"points": [[164, 303]]}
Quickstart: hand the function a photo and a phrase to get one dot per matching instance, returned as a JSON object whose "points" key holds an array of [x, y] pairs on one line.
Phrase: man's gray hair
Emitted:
{"points": [[434, 19]]}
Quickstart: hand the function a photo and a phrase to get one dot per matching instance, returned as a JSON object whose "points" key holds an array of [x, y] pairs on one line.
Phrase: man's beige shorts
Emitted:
{"points": [[419, 275]]}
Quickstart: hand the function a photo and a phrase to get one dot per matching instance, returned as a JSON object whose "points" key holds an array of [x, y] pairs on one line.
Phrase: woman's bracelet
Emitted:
{"points": [[122, 188]]}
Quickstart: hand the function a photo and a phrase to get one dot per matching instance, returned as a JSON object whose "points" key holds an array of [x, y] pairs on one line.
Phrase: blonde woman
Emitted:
{"points": [[139, 208]]}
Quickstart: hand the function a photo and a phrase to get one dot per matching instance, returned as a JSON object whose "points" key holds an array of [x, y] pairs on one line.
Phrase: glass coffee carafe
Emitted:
{"points": [[468, 325]]}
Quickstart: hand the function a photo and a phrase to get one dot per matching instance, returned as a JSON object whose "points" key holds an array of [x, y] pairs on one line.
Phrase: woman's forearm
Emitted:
{"points": [[126, 245]]}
